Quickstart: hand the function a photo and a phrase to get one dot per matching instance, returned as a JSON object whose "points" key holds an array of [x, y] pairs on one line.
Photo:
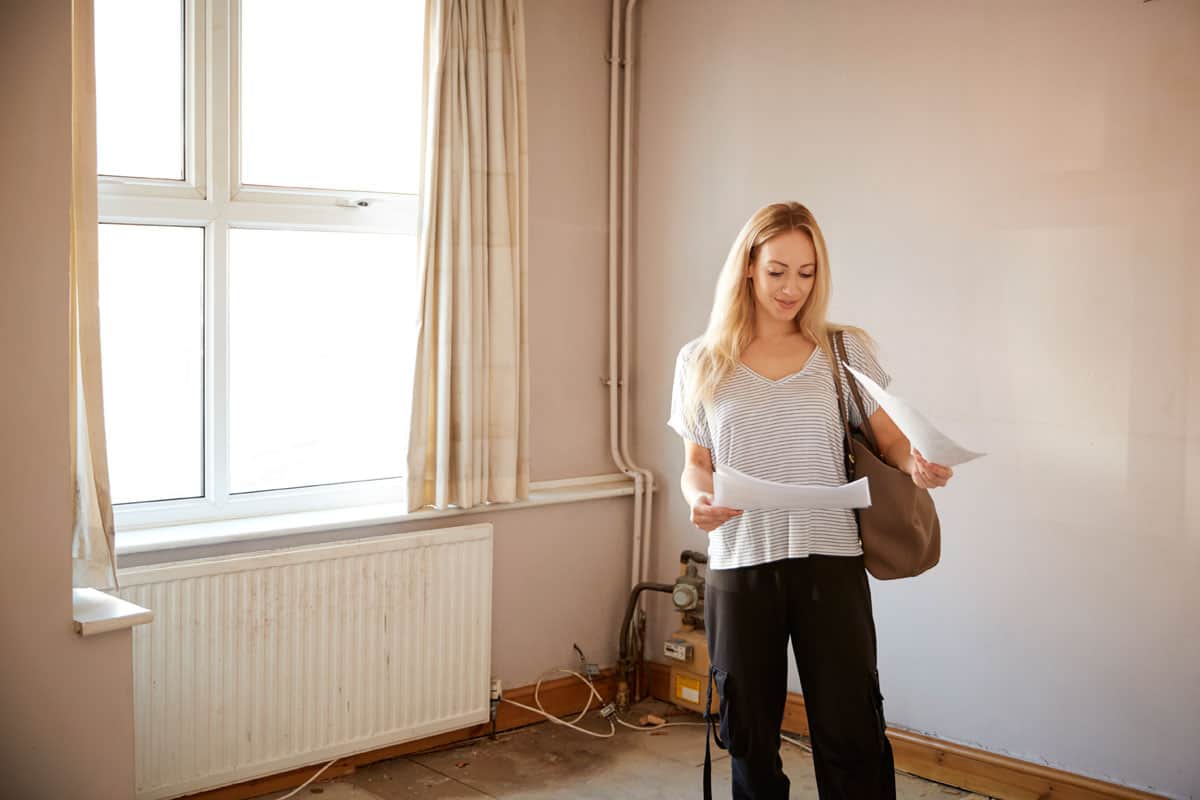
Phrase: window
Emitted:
{"points": [[259, 163]]}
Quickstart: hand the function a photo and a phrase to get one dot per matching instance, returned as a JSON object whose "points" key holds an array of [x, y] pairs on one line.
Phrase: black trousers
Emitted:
{"points": [[823, 604]]}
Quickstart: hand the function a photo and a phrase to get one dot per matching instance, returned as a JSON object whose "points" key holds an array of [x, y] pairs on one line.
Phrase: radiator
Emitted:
{"points": [[261, 663]]}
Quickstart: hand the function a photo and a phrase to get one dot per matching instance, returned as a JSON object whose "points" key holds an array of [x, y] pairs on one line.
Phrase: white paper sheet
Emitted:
{"points": [[934, 445], [734, 489]]}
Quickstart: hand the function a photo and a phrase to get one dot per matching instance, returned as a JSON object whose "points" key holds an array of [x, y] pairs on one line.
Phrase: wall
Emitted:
{"points": [[66, 702], [1009, 193], [566, 43]]}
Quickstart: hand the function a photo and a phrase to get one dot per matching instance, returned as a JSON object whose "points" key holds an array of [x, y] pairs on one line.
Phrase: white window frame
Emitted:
{"points": [[211, 196]]}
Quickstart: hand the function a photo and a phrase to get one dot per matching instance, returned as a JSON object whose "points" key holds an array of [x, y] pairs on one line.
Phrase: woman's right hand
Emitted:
{"points": [[708, 517]]}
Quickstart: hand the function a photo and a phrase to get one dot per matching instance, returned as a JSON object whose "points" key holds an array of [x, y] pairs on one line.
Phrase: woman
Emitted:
{"points": [[756, 392]]}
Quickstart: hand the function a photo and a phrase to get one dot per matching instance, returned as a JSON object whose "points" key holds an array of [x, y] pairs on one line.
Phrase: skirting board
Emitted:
{"points": [[954, 764]]}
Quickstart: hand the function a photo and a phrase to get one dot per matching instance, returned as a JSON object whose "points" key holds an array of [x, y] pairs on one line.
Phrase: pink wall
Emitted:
{"points": [[66, 702], [568, 233]]}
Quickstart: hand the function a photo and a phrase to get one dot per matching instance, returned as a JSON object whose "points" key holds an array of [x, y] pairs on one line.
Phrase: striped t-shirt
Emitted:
{"points": [[786, 430]]}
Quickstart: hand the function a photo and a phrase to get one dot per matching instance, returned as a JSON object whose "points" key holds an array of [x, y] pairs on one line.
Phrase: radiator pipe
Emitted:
{"points": [[624, 663], [613, 379], [641, 541]]}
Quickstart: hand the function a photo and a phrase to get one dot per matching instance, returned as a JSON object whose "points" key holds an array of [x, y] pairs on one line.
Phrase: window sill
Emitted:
{"points": [[171, 537], [99, 612]]}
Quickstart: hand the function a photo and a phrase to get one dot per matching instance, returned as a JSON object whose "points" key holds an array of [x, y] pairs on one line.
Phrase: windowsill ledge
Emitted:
{"points": [[100, 612], [172, 537]]}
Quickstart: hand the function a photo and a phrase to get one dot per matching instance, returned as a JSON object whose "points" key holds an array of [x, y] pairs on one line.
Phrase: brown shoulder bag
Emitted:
{"points": [[901, 535]]}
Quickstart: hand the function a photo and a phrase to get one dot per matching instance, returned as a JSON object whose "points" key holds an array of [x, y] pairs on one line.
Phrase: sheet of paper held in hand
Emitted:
{"points": [[734, 489], [934, 445]]}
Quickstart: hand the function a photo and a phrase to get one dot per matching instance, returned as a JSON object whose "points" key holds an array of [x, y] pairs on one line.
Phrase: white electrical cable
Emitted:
{"points": [[594, 694], [296, 791], [612, 729], [797, 742]]}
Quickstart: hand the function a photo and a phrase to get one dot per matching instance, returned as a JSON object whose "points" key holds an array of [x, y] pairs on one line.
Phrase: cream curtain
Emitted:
{"points": [[469, 438], [92, 547]]}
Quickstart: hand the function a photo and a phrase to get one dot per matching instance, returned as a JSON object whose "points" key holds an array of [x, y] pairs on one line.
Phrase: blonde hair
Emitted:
{"points": [[731, 323]]}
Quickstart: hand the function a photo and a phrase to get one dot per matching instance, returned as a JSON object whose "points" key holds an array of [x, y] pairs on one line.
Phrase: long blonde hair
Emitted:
{"points": [[731, 323]]}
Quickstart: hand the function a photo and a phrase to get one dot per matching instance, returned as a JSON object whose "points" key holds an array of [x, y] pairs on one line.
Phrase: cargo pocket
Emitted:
{"points": [[728, 737], [877, 702]]}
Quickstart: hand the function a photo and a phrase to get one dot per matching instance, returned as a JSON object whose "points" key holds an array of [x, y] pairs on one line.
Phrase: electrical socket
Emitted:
{"points": [[497, 692]]}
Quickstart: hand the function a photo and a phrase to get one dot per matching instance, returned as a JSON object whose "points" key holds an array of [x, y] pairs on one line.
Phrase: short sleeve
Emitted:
{"points": [[864, 360], [697, 432]]}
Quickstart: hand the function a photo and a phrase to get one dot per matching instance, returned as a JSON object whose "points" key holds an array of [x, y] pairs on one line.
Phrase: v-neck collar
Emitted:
{"points": [[785, 378]]}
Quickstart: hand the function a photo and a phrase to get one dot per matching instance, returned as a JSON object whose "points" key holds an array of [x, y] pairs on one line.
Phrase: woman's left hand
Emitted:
{"points": [[928, 475]]}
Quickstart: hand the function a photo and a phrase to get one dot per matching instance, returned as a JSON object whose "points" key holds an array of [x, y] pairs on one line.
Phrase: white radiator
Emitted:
{"points": [[260, 663]]}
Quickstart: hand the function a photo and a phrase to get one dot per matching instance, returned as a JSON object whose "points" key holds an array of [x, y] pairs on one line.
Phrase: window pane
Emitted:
{"points": [[332, 100], [152, 354], [319, 356], [139, 88]]}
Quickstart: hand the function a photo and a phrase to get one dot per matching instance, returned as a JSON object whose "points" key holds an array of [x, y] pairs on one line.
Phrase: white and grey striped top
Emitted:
{"points": [[785, 430]]}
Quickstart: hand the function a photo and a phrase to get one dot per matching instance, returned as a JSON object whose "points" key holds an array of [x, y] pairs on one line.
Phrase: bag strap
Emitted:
{"points": [[847, 445], [710, 723], [865, 424]]}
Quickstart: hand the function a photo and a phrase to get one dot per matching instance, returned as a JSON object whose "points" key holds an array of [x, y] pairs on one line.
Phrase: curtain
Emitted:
{"points": [[93, 545], [469, 434]]}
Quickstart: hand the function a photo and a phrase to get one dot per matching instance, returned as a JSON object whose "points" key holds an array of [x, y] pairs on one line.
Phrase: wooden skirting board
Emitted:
{"points": [[945, 762], [954, 764]]}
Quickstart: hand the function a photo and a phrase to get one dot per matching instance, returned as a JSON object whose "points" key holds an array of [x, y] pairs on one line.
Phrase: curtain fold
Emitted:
{"points": [[93, 545], [469, 433]]}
